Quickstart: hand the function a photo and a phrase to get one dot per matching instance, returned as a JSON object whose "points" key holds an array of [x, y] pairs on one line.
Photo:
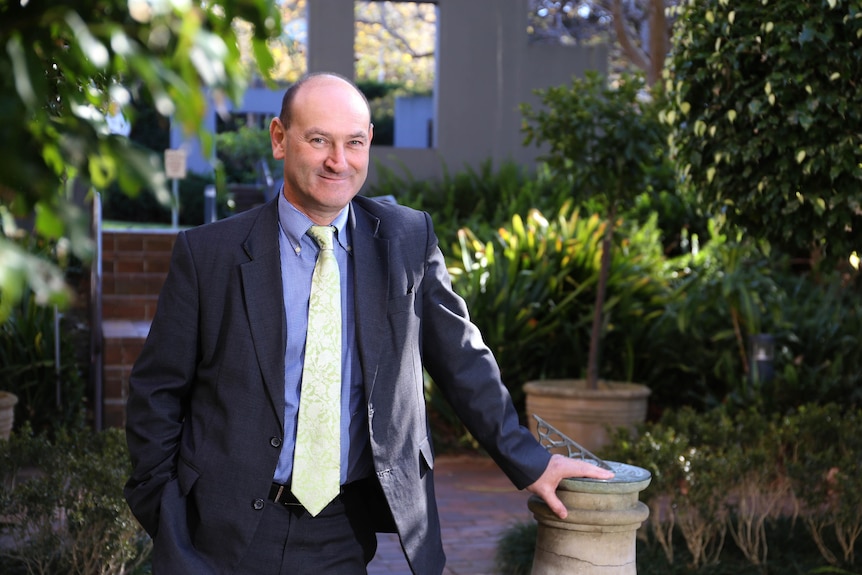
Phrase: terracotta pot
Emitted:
{"points": [[586, 415], [7, 413]]}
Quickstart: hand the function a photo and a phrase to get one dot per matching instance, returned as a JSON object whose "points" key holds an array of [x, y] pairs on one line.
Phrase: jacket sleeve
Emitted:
{"points": [[159, 387], [465, 371]]}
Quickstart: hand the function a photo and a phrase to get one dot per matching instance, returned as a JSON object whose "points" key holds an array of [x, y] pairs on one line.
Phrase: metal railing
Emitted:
{"points": [[96, 335]]}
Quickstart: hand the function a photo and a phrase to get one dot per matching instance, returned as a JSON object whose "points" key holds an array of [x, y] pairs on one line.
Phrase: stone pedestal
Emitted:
{"points": [[7, 413], [598, 536]]}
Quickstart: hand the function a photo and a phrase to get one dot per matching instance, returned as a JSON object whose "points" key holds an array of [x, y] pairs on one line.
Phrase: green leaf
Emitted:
{"points": [[48, 222]]}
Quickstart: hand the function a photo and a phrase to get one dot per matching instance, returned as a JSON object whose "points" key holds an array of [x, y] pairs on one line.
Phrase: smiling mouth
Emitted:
{"points": [[333, 179]]}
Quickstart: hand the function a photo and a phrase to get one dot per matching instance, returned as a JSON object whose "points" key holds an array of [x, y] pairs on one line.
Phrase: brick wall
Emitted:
{"points": [[134, 266]]}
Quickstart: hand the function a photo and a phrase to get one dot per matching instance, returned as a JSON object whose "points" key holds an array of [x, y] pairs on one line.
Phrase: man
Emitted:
{"points": [[216, 396]]}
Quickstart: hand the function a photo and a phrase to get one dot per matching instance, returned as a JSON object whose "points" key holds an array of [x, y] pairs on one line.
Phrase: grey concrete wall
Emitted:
{"points": [[330, 36]]}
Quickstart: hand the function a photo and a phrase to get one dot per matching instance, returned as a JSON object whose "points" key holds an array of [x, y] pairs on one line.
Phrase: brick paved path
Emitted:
{"points": [[477, 503]]}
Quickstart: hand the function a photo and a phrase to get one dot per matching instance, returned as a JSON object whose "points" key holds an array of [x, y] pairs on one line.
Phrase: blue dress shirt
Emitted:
{"points": [[298, 256]]}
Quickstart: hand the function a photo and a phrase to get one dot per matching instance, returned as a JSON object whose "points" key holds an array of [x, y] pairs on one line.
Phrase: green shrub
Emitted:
{"points": [[823, 451], [63, 506], [47, 399], [480, 199], [730, 290], [817, 344], [766, 114], [683, 226], [723, 293]]}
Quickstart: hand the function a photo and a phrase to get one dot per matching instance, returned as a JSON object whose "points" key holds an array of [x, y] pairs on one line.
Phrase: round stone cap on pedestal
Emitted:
{"points": [[627, 478]]}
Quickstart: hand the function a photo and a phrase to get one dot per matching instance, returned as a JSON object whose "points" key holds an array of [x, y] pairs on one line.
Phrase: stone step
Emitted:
{"points": [[139, 307], [133, 283]]}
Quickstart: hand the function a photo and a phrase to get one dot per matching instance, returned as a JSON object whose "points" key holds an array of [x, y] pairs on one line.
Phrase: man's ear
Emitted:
{"points": [[276, 138]]}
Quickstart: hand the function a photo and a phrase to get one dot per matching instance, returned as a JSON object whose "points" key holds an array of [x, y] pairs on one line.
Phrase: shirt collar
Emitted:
{"points": [[295, 224]]}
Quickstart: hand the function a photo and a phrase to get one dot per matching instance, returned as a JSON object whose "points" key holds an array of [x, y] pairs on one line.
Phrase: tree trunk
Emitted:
{"points": [[598, 310], [649, 58], [658, 41]]}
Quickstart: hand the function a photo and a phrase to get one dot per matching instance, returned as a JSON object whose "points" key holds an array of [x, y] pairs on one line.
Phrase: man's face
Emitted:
{"points": [[325, 149]]}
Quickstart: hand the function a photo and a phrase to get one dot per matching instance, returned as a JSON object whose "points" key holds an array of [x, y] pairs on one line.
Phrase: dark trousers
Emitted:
{"points": [[340, 540]]}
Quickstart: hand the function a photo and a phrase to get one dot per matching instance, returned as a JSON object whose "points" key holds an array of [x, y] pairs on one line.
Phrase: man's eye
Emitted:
{"points": [[318, 141]]}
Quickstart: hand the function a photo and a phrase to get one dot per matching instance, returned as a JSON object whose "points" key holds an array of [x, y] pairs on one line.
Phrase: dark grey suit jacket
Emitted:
{"points": [[206, 398]]}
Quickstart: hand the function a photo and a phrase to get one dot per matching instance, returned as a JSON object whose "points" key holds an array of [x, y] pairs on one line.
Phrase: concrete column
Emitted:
{"points": [[330, 36], [598, 536]]}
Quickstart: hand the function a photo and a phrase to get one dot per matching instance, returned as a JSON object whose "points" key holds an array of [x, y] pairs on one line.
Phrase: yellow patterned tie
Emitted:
{"points": [[317, 457]]}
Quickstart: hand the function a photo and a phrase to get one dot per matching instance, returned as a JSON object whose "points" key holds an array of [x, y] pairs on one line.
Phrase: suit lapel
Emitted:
{"points": [[370, 293], [262, 293]]}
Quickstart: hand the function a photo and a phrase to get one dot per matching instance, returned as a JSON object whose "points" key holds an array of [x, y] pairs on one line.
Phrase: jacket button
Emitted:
{"points": [[275, 441], [257, 504]]}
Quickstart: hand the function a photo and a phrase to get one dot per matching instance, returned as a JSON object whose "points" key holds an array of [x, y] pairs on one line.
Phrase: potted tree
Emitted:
{"points": [[607, 140]]}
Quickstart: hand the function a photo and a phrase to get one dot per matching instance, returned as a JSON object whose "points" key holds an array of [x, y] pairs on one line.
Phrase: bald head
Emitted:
{"points": [[290, 95]]}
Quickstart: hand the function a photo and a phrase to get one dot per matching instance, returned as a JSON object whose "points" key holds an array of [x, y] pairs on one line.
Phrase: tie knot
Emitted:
{"points": [[322, 235]]}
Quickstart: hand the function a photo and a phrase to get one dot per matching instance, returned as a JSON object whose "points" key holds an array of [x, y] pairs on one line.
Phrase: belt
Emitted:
{"points": [[281, 494]]}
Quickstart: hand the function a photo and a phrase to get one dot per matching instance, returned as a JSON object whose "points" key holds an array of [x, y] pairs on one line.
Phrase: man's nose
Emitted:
{"points": [[337, 159]]}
